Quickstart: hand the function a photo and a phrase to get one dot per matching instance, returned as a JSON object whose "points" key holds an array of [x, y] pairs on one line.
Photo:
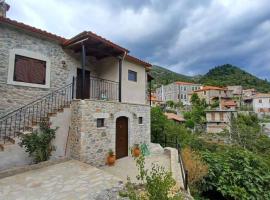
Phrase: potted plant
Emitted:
{"points": [[136, 150], [111, 158]]}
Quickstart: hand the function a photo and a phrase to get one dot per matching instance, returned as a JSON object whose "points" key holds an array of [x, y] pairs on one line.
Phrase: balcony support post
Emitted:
{"points": [[120, 80], [83, 71]]}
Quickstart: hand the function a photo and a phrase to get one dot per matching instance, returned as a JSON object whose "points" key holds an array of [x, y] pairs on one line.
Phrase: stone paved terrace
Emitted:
{"points": [[68, 180], [127, 166]]}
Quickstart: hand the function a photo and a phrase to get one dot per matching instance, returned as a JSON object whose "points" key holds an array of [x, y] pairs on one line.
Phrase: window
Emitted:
{"points": [[213, 116], [100, 122], [132, 76], [181, 96], [140, 120], [204, 92], [185, 88], [221, 116], [29, 70], [260, 101]]}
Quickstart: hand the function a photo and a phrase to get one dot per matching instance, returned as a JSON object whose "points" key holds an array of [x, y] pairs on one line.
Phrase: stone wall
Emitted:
{"points": [[13, 96], [91, 144]]}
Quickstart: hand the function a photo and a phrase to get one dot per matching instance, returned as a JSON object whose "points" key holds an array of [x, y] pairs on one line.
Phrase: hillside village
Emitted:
{"points": [[222, 103], [81, 117]]}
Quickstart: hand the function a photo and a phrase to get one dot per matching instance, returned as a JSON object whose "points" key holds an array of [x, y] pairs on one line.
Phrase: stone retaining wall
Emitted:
{"points": [[91, 144]]}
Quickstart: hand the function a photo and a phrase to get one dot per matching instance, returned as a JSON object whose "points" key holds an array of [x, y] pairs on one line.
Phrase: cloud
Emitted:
{"points": [[187, 36]]}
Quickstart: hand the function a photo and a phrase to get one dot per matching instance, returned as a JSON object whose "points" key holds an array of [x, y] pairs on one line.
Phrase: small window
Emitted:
{"points": [[204, 92], [132, 76], [29, 70], [221, 116], [213, 116], [140, 120], [100, 122], [260, 101]]}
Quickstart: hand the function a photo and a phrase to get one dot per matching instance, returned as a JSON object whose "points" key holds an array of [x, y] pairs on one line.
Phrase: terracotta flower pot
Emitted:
{"points": [[111, 160], [136, 152]]}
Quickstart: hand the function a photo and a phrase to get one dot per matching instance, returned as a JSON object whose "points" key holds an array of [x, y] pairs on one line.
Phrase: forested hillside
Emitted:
{"points": [[232, 75], [164, 76], [218, 76]]}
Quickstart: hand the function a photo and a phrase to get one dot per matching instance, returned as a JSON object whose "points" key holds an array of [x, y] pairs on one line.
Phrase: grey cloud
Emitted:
{"points": [[187, 36]]}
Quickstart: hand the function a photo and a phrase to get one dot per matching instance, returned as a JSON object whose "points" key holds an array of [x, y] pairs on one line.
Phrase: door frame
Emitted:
{"points": [[126, 153], [79, 91]]}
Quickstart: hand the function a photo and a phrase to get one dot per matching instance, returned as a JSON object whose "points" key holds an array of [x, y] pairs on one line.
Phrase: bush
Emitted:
{"points": [[39, 143], [156, 184], [235, 174], [197, 169]]}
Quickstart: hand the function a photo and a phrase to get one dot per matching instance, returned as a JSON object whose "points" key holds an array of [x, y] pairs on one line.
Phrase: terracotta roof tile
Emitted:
{"points": [[174, 117]]}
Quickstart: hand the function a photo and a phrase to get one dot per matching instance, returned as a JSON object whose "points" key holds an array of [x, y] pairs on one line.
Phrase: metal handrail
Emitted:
{"points": [[173, 142], [36, 100], [35, 112]]}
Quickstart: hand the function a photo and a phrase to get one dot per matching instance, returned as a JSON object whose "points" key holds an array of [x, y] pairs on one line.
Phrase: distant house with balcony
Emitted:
{"points": [[219, 120], [93, 87], [177, 92], [212, 93]]}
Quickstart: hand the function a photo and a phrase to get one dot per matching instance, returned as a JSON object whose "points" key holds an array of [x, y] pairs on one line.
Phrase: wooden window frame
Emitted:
{"points": [[29, 54], [135, 73]]}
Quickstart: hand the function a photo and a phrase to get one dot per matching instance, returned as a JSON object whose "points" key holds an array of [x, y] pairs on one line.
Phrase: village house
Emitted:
{"points": [[261, 104], [218, 120], [212, 93], [177, 92], [175, 117], [94, 90]]}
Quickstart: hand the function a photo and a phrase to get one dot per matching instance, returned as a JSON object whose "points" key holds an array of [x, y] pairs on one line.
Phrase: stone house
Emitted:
{"points": [[218, 120], [212, 93], [95, 90], [177, 91]]}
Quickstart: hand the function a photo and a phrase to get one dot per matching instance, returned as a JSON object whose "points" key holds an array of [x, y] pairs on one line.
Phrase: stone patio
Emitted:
{"points": [[126, 167], [68, 180]]}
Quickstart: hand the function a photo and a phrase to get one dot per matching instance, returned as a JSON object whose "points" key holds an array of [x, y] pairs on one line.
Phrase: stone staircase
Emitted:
{"points": [[28, 118]]}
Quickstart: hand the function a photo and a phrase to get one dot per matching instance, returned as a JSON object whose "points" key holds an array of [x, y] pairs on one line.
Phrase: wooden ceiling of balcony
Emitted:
{"points": [[94, 45]]}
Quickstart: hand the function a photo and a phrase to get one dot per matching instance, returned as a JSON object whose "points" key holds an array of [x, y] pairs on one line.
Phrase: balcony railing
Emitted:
{"points": [[97, 89]]}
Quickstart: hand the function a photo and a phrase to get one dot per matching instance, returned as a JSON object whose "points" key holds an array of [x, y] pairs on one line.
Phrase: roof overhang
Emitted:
{"points": [[95, 45]]}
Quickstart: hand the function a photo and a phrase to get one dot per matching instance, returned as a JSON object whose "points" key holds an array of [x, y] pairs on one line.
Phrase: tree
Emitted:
{"points": [[158, 122], [235, 174]]}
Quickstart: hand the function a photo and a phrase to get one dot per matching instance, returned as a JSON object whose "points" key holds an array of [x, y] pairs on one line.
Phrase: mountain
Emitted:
{"points": [[232, 75], [218, 76], [164, 76]]}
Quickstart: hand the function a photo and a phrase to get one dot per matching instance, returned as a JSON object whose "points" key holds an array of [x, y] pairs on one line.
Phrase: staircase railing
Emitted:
{"points": [[24, 118]]}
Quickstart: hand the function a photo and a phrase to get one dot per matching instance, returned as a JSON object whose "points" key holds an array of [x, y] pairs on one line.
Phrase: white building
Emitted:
{"points": [[261, 103]]}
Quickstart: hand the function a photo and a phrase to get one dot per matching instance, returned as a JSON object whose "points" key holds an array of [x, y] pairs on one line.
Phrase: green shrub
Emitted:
{"points": [[39, 143], [156, 184], [236, 174]]}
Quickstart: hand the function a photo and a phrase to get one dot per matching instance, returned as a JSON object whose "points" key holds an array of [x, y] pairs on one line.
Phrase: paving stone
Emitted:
{"points": [[68, 180]]}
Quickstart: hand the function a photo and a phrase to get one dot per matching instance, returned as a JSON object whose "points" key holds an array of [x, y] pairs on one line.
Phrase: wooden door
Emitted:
{"points": [[121, 137], [79, 91]]}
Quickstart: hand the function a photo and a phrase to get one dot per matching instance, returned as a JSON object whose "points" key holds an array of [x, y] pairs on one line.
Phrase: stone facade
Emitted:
{"points": [[90, 144], [14, 96]]}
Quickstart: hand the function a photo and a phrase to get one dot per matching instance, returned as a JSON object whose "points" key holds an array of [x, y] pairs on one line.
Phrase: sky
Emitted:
{"points": [[185, 36]]}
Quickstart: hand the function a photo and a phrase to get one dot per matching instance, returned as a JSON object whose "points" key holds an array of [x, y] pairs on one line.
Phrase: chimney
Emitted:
{"points": [[4, 7]]}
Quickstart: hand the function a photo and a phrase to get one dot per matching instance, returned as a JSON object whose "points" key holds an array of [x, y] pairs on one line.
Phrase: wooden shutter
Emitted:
{"points": [[29, 70]]}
